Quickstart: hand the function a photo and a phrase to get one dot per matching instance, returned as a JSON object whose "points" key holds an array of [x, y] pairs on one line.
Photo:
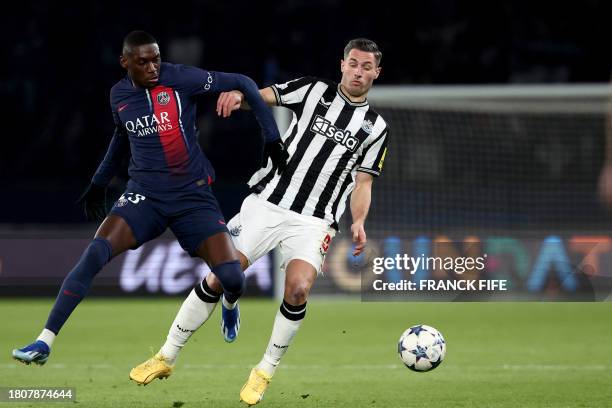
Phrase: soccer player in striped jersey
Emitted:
{"points": [[336, 144], [154, 110]]}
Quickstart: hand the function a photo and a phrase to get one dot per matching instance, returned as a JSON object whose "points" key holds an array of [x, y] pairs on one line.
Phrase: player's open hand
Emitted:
{"points": [[359, 238], [229, 102]]}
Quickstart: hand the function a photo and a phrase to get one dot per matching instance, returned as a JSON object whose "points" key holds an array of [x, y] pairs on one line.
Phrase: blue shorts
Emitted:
{"points": [[192, 215]]}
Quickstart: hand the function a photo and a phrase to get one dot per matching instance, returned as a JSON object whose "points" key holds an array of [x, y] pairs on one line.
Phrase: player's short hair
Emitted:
{"points": [[363, 44], [135, 39]]}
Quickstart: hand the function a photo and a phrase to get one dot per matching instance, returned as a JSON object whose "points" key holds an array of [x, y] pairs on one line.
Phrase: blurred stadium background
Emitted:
{"points": [[499, 112]]}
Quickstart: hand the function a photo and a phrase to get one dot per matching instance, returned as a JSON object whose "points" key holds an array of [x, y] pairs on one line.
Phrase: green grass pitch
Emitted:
{"points": [[499, 355]]}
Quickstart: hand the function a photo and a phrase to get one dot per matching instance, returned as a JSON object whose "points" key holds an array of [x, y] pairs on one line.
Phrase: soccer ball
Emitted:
{"points": [[421, 348]]}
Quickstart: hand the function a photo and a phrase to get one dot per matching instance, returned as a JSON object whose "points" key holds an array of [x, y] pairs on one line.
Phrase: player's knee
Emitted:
{"points": [[296, 293], [98, 253], [231, 277]]}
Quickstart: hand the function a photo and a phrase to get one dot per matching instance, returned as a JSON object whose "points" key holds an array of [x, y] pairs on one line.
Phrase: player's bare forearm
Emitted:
{"points": [[267, 94], [361, 198]]}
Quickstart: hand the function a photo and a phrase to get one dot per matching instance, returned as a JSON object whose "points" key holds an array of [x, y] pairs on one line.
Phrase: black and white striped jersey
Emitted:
{"points": [[329, 139]]}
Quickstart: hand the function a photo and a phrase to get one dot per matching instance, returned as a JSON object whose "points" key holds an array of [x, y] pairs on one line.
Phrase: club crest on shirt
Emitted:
{"points": [[163, 98], [122, 201], [235, 231], [367, 126]]}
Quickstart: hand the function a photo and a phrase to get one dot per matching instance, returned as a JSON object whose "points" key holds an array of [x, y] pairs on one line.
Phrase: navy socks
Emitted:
{"points": [[78, 281]]}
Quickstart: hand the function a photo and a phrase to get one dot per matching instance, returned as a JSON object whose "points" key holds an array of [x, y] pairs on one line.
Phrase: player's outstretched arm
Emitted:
{"points": [[257, 99], [234, 100], [361, 198], [274, 147], [229, 82]]}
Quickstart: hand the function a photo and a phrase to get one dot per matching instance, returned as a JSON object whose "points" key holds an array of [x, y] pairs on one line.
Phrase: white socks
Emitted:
{"points": [[286, 324], [198, 307], [47, 336], [192, 314]]}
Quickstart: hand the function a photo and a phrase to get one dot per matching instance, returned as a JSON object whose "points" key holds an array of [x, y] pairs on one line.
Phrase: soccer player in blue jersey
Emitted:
{"points": [[154, 112]]}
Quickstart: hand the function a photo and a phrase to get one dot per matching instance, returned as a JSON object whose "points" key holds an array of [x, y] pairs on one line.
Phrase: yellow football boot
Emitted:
{"points": [[155, 367], [253, 390]]}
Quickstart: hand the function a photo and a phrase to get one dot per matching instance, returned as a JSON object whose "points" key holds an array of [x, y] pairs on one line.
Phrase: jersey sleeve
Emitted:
{"points": [[291, 94], [199, 81], [374, 155], [117, 148], [196, 81]]}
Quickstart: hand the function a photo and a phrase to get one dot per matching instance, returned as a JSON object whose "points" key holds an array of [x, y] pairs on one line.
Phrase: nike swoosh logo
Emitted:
{"points": [[69, 293], [122, 107]]}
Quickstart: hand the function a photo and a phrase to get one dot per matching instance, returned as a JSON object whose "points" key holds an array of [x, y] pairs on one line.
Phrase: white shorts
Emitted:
{"points": [[262, 226]]}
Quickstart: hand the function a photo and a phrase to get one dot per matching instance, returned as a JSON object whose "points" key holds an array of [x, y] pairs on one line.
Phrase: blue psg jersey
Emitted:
{"points": [[159, 124]]}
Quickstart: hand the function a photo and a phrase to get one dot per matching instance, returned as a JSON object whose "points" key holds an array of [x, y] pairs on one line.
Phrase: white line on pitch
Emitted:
{"points": [[553, 367], [188, 366]]}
